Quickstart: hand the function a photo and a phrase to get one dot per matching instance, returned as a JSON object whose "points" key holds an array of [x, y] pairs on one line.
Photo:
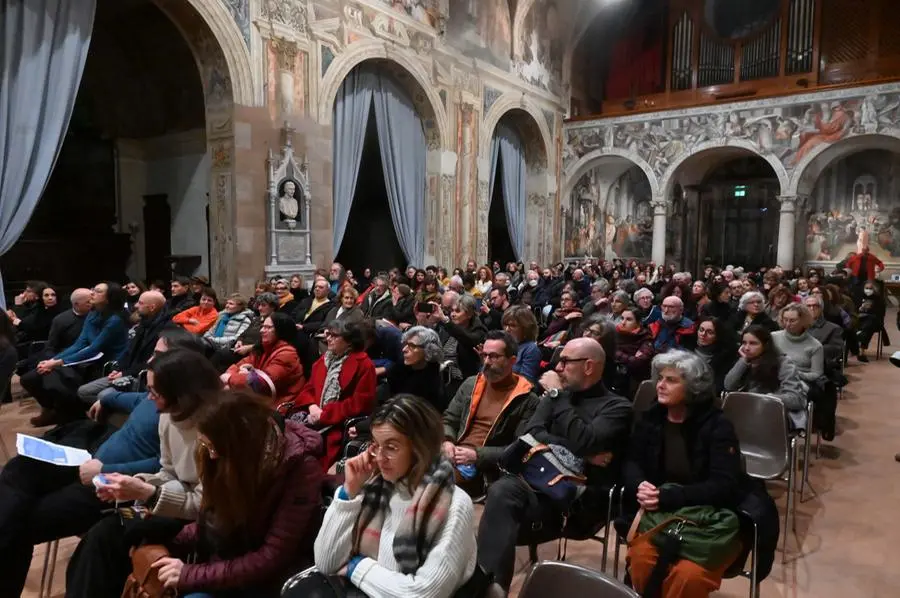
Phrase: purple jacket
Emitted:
{"points": [[283, 532]]}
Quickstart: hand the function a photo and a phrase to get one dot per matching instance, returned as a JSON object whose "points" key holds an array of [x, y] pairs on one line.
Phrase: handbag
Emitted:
{"points": [[143, 581], [312, 584], [705, 535], [544, 471]]}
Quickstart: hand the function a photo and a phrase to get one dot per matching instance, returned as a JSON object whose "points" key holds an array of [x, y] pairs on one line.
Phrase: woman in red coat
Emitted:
{"points": [[276, 357], [261, 502], [342, 385]]}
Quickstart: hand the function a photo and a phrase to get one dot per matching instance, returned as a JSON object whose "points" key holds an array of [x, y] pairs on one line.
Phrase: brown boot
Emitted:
{"points": [[48, 417]]}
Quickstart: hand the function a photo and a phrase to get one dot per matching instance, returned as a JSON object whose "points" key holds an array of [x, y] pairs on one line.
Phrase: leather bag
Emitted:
{"points": [[143, 582]]}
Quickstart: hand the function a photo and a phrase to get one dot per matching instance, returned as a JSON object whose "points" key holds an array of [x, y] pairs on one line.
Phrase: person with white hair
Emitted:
{"points": [[751, 310], [673, 330], [420, 372]]}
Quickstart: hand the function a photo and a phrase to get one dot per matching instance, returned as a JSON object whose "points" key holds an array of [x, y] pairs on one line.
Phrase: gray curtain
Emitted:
{"points": [[401, 139], [351, 114], [44, 45], [508, 147]]}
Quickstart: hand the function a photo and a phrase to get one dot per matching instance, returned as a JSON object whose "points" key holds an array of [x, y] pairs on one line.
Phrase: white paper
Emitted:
{"points": [[48, 452]]}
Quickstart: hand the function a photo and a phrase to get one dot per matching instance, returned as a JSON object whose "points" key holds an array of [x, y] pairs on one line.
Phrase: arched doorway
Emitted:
{"points": [[145, 172], [516, 156], [380, 173], [724, 208]]}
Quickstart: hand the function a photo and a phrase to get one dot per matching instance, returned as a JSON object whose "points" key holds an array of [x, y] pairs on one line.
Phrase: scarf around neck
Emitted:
{"points": [[331, 391], [421, 523]]}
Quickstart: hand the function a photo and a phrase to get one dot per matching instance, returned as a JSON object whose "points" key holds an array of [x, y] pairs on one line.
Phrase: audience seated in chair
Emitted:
{"points": [[172, 495], [581, 415], [276, 357], [762, 369], [261, 502], [383, 342], [231, 323], [35, 326], [519, 322], [673, 330], [64, 331], [488, 413], [182, 297], [40, 502], [371, 534], [54, 382], [201, 317], [342, 386], [419, 374], [152, 319], [683, 452]]}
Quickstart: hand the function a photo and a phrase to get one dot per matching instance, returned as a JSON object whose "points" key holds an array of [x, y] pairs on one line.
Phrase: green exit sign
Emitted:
{"points": [[740, 191]]}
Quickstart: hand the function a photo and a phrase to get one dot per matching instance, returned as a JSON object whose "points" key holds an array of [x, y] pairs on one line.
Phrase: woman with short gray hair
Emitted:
{"points": [[420, 372], [683, 453], [752, 311]]}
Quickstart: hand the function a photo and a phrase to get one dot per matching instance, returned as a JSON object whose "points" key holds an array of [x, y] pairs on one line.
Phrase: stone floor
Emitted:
{"points": [[844, 545]]}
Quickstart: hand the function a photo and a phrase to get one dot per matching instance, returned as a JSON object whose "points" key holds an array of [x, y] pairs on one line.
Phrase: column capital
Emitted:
{"points": [[659, 203]]}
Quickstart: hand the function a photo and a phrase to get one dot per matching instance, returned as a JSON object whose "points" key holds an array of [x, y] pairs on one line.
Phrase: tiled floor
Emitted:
{"points": [[845, 545]]}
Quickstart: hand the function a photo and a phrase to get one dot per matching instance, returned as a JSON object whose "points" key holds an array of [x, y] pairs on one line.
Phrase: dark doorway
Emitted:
{"points": [[500, 247], [157, 237], [742, 218], [370, 240]]}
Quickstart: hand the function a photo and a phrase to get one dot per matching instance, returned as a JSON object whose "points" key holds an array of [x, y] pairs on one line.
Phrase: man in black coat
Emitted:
{"points": [[64, 331], [151, 307], [578, 413]]}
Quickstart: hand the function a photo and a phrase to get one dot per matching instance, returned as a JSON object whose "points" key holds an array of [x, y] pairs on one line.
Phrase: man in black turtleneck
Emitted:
{"points": [[579, 413]]}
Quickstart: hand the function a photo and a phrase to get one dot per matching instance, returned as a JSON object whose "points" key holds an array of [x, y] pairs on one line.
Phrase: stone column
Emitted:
{"points": [[660, 206], [786, 226]]}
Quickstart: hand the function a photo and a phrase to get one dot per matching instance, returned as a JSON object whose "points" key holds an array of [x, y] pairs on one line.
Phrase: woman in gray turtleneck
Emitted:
{"points": [[797, 343]]}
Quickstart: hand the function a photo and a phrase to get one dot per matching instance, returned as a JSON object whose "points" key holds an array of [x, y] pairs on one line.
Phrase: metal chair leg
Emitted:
{"points": [[52, 549], [754, 584], [532, 553], [810, 412], [792, 466]]}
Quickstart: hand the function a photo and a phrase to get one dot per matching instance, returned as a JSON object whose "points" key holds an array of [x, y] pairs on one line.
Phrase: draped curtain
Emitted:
{"points": [[351, 113], [44, 45], [401, 141], [508, 147]]}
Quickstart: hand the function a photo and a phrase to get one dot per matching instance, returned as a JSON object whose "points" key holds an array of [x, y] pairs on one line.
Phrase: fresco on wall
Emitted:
{"points": [[856, 203], [427, 12], [786, 132], [542, 43], [481, 29], [621, 228]]}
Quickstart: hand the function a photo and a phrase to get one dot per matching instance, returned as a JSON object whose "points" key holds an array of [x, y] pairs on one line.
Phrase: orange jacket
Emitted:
{"points": [[205, 319]]}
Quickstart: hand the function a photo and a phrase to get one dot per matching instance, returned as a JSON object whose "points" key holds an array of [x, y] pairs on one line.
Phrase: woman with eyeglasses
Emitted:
{"points": [[342, 386], [751, 311], [273, 367], [634, 352], [286, 302], [420, 372], [398, 526], [262, 494], [717, 347]]}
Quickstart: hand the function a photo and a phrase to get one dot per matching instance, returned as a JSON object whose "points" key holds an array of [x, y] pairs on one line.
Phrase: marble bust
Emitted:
{"points": [[288, 204]]}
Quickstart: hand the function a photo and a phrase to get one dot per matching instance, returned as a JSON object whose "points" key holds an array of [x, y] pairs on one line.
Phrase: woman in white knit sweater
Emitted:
{"points": [[399, 526]]}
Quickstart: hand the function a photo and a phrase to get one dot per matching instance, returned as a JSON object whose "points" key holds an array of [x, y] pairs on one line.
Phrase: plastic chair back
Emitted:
{"points": [[644, 398], [553, 578], [760, 423]]}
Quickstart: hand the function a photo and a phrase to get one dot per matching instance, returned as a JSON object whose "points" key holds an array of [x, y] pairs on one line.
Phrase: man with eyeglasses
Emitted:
{"points": [[579, 413], [673, 331], [827, 333], [487, 414]]}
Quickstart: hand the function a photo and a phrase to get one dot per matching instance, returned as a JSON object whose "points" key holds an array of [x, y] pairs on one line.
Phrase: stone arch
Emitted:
{"points": [[364, 50], [224, 65], [230, 45], [807, 172], [522, 9], [615, 157], [731, 149], [506, 103]]}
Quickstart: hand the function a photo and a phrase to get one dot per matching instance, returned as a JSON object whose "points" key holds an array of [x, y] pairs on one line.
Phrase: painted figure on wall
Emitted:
{"points": [[865, 214], [427, 12], [481, 29], [542, 44]]}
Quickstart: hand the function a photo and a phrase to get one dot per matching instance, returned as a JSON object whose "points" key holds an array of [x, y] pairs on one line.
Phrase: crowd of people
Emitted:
{"points": [[393, 400]]}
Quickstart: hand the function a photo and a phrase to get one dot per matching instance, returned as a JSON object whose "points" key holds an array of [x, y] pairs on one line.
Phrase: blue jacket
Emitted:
{"points": [[528, 361], [133, 448], [386, 351], [107, 335]]}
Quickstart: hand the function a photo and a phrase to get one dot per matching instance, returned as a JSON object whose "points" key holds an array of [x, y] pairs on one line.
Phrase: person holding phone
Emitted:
{"points": [[370, 536]]}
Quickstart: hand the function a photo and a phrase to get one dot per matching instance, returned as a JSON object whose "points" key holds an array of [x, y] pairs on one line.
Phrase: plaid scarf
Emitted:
{"points": [[421, 523]]}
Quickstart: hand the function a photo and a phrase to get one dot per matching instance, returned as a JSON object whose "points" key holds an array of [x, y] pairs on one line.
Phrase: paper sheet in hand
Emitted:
{"points": [[48, 452]]}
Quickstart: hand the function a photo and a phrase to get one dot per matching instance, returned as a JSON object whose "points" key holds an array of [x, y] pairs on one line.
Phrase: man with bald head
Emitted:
{"points": [[153, 317], [64, 331], [673, 331], [578, 413]]}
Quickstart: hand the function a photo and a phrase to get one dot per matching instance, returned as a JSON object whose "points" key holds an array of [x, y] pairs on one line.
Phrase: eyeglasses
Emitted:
{"points": [[389, 452], [413, 346], [266, 327], [492, 356], [564, 361]]}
